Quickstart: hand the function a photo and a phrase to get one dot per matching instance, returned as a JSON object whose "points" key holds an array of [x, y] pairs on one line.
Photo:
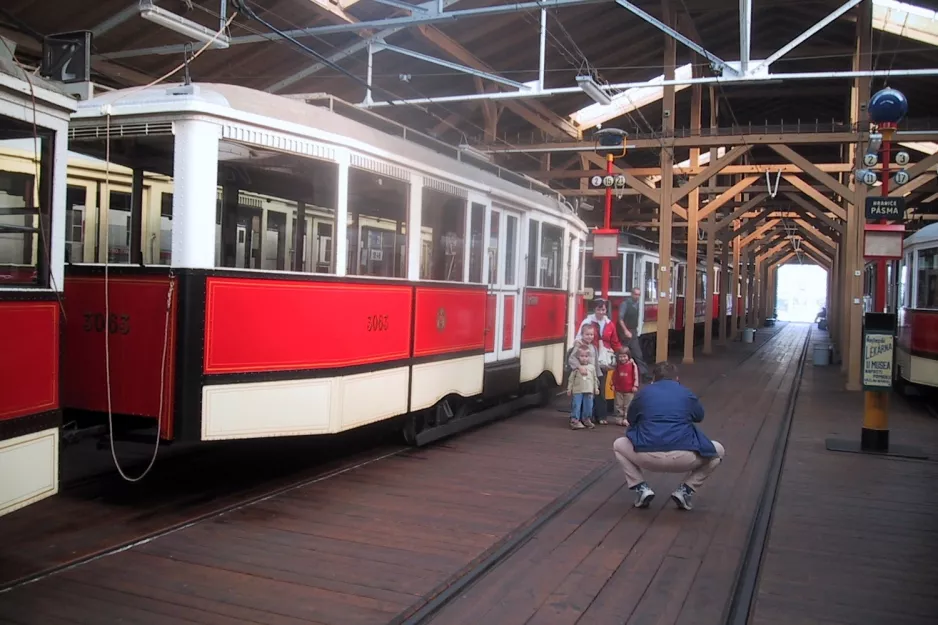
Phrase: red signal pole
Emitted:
{"points": [[879, 297], [607, 225]]}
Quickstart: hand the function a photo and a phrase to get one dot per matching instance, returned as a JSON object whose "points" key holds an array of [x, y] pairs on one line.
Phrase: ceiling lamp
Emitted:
{"points": [[181, 25], [590, 88]]}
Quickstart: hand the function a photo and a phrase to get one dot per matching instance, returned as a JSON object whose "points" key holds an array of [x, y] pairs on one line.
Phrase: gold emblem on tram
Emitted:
{"points": [[441, 319]]}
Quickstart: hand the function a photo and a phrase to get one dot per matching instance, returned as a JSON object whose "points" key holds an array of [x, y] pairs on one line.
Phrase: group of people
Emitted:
{"points": [[660, 420]]}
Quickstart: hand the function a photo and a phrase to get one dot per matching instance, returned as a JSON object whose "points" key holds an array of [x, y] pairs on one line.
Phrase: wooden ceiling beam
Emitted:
{"points": [[817, 196], [656, 171]]}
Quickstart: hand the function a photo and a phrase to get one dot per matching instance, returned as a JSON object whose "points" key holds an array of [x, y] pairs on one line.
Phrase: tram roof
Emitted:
{"points": [[927, 234], [328, 117], [13, 77]]}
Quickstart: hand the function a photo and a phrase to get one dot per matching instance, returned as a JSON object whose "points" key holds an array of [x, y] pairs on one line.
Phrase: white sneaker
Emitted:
{"points": [[644, 495], [682, 497]]}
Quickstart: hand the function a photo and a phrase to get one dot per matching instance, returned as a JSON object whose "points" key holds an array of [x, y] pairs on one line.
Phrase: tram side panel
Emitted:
{"points": [[449, 342], [917, 353], [140, 341], [30, 413], [543, 334]]}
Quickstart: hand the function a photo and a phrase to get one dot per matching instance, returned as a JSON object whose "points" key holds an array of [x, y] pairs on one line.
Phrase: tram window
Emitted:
{"points": [[905, 293], [443, 220], [377, 221], [651, 282], [551, 259], [476, 243], [25, 206], [494, 220], [594, 269], [270, 205], [76, 202], [161, 250], [631, 279], [511, 251], [532, 264], [927, 279]]}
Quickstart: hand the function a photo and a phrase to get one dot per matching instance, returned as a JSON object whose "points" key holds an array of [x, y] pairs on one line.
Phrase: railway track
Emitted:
{"points": [[370, 450], [741, 600]]}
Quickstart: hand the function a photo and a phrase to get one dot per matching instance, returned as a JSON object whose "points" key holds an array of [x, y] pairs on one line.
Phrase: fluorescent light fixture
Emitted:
{"points": [[181, 25], [906, 20], [590, 88], [627, 101]]}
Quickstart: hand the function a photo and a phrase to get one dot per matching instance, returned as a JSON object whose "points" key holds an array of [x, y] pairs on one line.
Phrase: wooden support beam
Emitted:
{"points": [[778, 247], [693, 203], [711, 171], [726, 196], [924, 165], [809, 168], [816, 195], [667, 183], [853, 265], [817, 212], [785, 168], [821, 238], [808, 246], [761, 230], [821, 260], [740, 212], [913, 184], [710, 283]]}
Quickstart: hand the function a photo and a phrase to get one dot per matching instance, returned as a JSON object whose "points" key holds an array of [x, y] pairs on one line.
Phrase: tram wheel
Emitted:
{"points": [[543, 390], [413, 425]]}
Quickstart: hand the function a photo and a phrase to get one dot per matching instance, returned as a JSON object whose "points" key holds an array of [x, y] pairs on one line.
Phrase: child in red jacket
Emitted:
{"points": [[625, 383]]}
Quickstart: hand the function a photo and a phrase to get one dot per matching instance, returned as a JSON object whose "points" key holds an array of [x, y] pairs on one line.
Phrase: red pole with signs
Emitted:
{"points": [[607, 226], [879, 297]]}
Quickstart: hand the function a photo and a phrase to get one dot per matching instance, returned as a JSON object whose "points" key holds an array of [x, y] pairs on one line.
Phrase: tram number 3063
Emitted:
{"points": [[377, 323], [116, 324]]}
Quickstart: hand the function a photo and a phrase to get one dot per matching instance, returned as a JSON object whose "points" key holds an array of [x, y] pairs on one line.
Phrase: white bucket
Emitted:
{"points": [[821, 355], [748, 335]]}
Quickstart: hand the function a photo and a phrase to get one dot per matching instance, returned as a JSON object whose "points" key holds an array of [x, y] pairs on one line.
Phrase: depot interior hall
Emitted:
{"points": [[746, 126]]}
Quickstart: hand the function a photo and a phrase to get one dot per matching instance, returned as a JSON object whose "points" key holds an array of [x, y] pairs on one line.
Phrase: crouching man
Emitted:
{"points": [[662, 436]]}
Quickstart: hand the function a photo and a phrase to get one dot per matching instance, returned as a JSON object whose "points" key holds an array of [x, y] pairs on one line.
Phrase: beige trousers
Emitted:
{"points": [[697, 467]]}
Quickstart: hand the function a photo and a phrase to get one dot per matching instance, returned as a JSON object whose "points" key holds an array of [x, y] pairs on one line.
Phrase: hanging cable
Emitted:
{"points": [[169, 292]]}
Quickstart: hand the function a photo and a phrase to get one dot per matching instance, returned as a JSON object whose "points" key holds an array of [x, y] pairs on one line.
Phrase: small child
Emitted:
{"points": [[625, 383], [583, 384]]}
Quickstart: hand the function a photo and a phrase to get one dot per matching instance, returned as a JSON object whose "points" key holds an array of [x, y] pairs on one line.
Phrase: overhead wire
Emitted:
{"points": [[170, 288], [284, 39]]}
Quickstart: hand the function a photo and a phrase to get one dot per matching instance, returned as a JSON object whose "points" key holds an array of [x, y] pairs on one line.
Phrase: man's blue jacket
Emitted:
{"points": [[662, 417]]}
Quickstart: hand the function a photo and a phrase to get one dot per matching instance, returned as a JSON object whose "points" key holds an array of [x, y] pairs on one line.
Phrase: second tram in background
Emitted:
{"points": [[915, 291], [638, 267]]}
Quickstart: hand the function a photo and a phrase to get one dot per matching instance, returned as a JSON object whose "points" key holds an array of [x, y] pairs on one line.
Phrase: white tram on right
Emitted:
{"points": [[917, 344]]}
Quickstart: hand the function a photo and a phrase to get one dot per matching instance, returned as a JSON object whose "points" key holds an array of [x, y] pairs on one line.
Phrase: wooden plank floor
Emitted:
{"points": [[370, 544], [602, 561], [854, 538]]}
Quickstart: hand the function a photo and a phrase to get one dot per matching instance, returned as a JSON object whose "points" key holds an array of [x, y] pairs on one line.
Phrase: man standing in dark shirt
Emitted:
{"points": [[629, 315]]}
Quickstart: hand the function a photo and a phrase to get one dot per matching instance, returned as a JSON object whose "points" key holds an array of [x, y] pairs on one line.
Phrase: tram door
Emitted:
{"points": [[503, 233]]}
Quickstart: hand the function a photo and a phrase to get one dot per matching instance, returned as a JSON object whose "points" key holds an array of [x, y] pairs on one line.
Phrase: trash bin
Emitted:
{"points": [[822, 355], [748, 335]]}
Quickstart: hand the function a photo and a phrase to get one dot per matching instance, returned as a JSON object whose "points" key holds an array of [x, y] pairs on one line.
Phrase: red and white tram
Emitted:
{"points": [[917, 344], [638, 267], [309, 268], [34, 121]]}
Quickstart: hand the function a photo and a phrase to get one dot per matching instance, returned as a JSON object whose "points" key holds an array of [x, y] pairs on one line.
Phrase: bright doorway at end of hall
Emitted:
{"points": [[802, 292]]}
